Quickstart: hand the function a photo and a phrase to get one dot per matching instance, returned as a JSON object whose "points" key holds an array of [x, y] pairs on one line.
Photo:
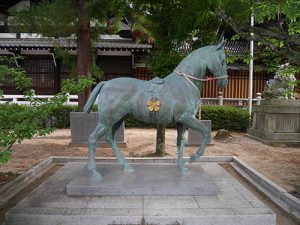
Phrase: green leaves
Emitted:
{"points": [[75, 86], [173, 24], [17, 122], [51, 19], [162, 64], [226, 117], [5, 156], [16, 73], [20, 122]]}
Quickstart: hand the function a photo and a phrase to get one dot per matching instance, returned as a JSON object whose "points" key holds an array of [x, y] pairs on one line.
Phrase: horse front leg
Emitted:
{"points": [[192, 122], [180, 144], [94, 137]]}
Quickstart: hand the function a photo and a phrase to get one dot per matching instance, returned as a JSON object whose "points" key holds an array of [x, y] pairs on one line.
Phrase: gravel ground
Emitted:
{"points": [[280, 164]]}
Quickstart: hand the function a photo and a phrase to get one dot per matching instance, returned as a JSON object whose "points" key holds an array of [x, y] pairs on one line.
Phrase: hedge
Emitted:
{"points": [[61, 116], [226, 117], [223, 117]]}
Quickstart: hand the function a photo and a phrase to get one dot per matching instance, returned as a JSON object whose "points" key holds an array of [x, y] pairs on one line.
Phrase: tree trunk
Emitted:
{"points": [[83, 51], [160, 140]]}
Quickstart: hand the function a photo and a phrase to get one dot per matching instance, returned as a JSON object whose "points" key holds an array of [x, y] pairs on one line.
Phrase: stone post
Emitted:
{"points": [[258, 97], [220, 96]]}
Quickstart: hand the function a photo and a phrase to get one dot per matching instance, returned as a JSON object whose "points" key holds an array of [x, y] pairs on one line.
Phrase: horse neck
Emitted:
{"points": [[193, 64]]}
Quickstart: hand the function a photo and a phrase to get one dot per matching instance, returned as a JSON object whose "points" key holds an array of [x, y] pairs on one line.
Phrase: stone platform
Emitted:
{"points": [[232, 204], [158, 180]]}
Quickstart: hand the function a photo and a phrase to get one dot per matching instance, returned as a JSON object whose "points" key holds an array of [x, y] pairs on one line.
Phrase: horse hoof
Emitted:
{"points": [[192, 158], [128, 168], [185, 170], [96, 175]]}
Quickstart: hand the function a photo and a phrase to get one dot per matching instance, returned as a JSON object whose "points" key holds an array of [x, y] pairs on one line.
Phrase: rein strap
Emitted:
{"points": [[189, 77], [179, 72]]}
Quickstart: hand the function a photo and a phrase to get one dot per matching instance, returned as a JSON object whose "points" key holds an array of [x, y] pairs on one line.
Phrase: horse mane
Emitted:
{"points": [[194, 63]]}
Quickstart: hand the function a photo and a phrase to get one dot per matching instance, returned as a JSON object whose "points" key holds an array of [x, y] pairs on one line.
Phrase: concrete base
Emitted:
{"points": [[83, 124], [233, 204], [275, 139], [158, 180], [195, 137], [276, 122]]}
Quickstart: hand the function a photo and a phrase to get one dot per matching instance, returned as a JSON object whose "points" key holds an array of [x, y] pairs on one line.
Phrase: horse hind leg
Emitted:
{"points": [[94, 137], [180, 144], [115, 148]]}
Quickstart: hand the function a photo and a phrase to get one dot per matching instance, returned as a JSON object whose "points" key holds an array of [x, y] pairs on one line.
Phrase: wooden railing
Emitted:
{"points": [[73, 100], [21, 99], [241, 102]]}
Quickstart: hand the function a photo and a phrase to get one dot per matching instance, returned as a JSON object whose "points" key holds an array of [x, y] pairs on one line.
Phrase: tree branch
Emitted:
{"points": [[264, 35]]}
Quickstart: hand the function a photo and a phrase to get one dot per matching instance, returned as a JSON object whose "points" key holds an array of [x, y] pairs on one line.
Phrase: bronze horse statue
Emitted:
{"points": [[172, 99]]}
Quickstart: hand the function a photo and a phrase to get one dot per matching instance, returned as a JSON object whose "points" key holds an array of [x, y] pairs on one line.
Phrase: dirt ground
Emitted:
{"points": [[280, 164]]}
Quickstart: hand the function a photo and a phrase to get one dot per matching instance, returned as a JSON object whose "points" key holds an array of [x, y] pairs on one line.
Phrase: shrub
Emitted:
{"points": [[21, 122], [226, 117], [223, 117], [60, 116]]}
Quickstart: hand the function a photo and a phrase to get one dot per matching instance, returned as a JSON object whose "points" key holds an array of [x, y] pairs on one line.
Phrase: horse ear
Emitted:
{"points": [[221, 44]]}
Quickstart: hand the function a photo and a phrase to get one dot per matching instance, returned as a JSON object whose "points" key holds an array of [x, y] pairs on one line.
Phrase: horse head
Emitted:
{"points": [[216, 64], [200, 62]]}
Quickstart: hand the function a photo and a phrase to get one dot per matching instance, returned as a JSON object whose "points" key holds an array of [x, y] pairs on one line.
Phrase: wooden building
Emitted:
{"points": [[116, 57]]}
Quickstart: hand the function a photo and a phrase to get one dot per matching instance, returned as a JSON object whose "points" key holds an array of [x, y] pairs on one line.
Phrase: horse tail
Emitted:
{"points": [[89, 103]]}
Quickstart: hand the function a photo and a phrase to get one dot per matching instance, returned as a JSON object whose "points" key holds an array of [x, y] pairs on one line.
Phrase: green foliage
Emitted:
{"points": [[239, 10], [96, 70], [287, 12], [226, 117], [222, 117], [5, 156], [172, 24], [276, 28], [162, 64], [20, 122], [60, 116], [49, 19], [17, 74], [76, 86], [101, 12], [54, 19]]}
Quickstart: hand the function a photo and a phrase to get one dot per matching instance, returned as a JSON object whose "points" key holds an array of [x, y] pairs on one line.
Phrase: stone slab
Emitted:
{"points": [[147, 179], [49, 204], [195, 137], [83, 124]]}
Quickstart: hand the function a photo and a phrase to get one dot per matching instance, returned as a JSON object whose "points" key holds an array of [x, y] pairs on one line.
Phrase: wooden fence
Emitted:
{"points": [[238, 83], [48, 83]]}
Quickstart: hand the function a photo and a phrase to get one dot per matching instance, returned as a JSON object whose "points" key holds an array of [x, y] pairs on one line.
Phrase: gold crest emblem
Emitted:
{"points": [[153, 104]]}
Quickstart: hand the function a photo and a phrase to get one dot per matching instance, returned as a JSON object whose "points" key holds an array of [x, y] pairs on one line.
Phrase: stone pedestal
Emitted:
{"points": [[276, 122], [226, 202], [158, 180], [195, 137], [83, 124]]}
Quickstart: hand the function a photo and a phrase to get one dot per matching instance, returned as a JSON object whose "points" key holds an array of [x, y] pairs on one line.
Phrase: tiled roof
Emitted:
{"points": [[238, 47], [66, 43]]}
